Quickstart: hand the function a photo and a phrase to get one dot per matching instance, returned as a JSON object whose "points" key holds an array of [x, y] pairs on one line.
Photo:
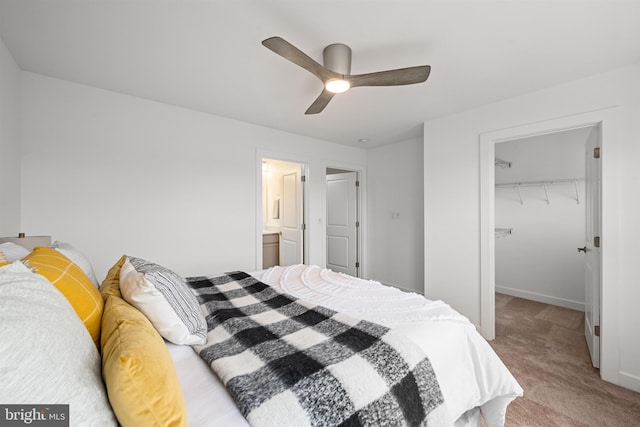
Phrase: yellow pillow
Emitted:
{"points": [[111, 283], [73, 283], [137, 368]]}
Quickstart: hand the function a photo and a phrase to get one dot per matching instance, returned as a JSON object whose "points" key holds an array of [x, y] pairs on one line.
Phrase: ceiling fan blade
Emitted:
{"points": [[298, 57], [401, 76], [320, 102]]}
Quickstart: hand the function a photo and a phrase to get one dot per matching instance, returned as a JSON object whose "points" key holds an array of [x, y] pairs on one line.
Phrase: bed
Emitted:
{"points": [[149, 361]]}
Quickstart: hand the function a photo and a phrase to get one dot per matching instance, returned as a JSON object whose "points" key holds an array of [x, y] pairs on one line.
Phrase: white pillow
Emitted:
{"points": [[46, 353], [165, 299], [13, 252], [78, 258]]}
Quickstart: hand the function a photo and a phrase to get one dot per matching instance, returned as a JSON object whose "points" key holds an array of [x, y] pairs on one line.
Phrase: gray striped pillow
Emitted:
{"points": [[165, 299]]}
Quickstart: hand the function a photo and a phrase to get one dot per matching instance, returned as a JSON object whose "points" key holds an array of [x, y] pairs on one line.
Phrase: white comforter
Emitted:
{"points": [[470, 374]]}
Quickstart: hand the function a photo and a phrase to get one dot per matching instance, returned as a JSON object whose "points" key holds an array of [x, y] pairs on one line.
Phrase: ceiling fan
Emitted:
{"points": [[335, 74]]}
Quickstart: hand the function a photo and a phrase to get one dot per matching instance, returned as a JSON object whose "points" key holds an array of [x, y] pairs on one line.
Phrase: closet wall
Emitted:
{"points": [[539, 259]]}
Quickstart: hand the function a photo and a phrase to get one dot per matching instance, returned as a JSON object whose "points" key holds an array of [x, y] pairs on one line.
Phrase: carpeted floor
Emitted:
{"points": [[545, 349]]}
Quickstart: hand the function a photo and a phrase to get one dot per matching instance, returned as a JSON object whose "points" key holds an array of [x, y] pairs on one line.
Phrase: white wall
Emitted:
{"points": [[452, 198], [539, 259], [9, 144], [396, 241], [116, 174]]}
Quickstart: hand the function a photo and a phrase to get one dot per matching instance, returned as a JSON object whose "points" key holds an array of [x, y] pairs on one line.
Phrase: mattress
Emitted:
{"points": [[472, 378]]}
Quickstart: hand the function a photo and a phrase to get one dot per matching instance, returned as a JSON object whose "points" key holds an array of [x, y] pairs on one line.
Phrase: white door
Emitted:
{"points": [[342, 219], [592, 245], [291, 228]]}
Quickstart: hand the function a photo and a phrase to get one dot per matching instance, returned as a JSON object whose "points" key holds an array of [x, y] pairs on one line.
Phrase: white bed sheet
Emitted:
{"points": [[207, 400], [470, 374]]}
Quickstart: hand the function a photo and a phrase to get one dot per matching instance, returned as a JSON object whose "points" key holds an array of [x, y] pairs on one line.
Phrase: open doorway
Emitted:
{"points": [[343, 221], [544, 214], [283, 226]]}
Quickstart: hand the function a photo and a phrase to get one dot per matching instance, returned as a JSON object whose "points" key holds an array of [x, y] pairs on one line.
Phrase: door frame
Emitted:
{"points": [[260, 154], [607, 119]]}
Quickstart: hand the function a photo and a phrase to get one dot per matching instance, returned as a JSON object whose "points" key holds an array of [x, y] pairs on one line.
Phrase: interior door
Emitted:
{"points": [[291, 228], [592, 245], [342, 218]]}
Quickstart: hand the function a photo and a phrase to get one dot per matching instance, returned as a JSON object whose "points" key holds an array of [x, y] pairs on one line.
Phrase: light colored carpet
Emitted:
{"points": [[545, 349]]}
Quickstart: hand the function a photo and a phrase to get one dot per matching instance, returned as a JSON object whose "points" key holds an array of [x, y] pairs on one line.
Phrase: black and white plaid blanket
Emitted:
{"points": [[288, 362]]}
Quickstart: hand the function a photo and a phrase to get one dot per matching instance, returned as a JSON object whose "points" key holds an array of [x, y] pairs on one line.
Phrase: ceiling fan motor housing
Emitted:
{"points": [[337, 58]]}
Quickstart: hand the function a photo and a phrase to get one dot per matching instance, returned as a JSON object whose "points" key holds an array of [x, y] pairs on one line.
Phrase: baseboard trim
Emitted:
{"points": [[630, 381], [574, 305]]}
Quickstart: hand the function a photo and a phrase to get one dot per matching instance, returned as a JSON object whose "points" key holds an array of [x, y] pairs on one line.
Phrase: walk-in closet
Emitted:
{"points": [[540, 217]]}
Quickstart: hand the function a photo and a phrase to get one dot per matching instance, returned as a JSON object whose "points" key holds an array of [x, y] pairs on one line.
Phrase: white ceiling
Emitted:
{"points": [[206, 55]]}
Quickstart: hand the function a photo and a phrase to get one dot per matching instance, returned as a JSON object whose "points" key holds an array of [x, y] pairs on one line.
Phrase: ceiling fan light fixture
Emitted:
{"points": [[337, 85], [336, 75]]}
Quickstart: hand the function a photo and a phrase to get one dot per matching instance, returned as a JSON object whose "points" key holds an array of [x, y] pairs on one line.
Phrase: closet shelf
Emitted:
{"points": [[544, 184]]}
